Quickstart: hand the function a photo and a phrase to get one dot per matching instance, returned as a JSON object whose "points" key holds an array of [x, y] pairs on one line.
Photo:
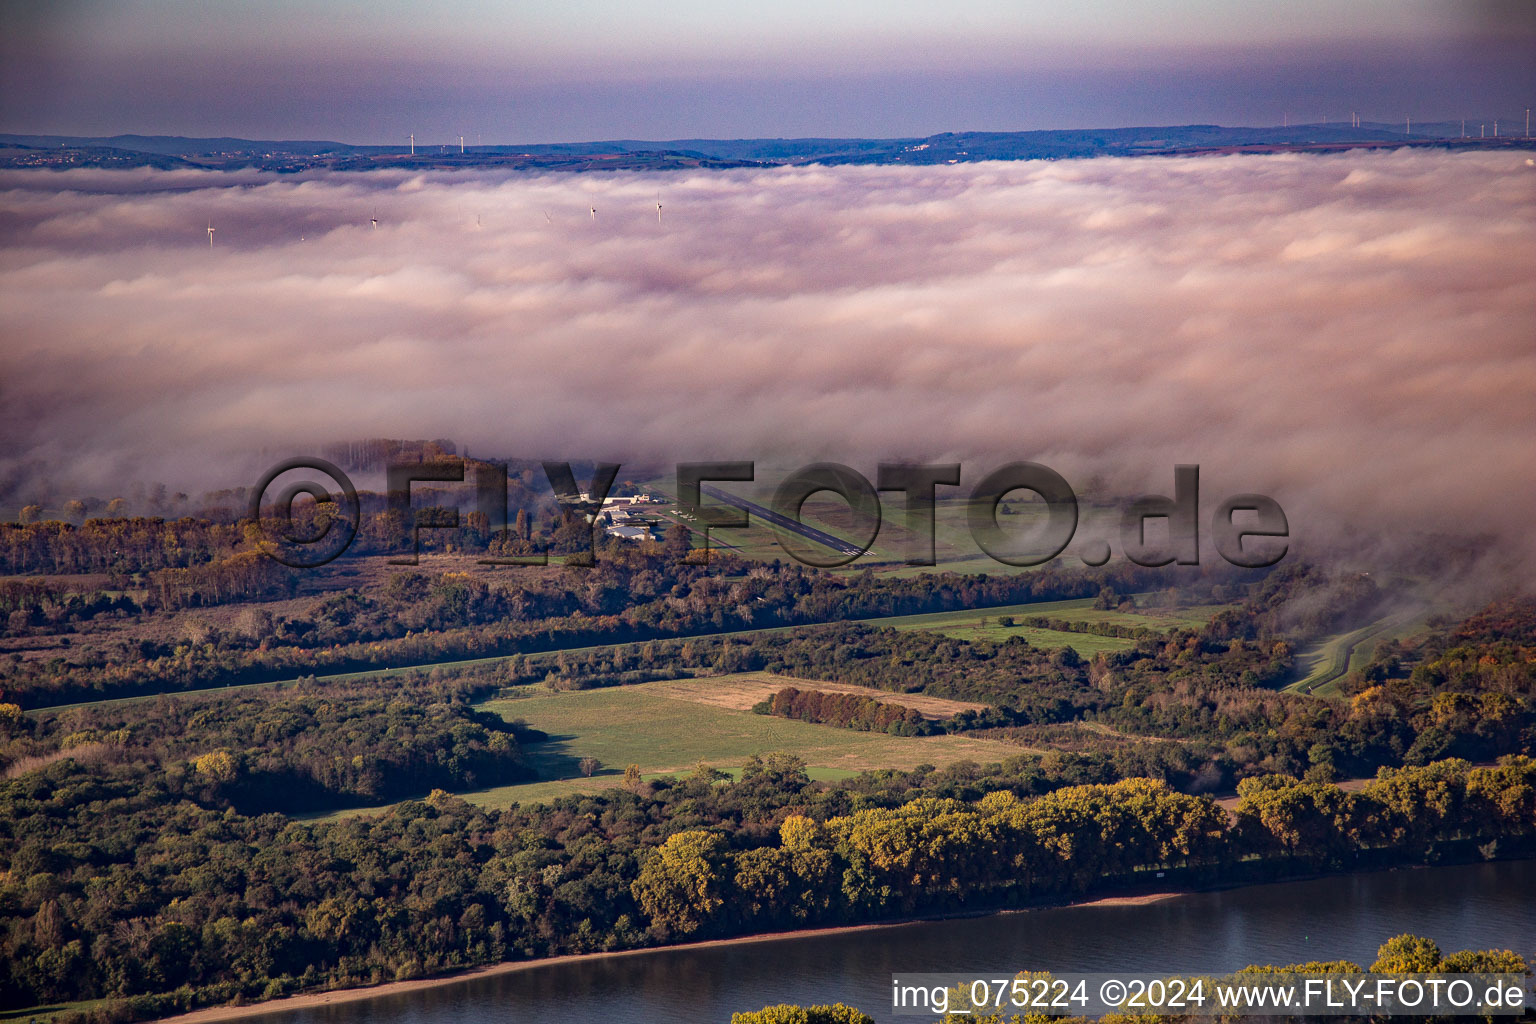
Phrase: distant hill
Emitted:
{"points": [[627, 154]]}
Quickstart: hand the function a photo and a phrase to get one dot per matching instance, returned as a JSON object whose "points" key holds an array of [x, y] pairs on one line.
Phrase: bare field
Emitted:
{"points": [[738, 692]]}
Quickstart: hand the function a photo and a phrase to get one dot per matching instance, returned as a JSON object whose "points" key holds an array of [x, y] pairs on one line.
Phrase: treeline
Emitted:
{"points": [[294, 750], [636, 595], [846, 710], [244, 576], [42, 605], [131, 544], [117, 542], [167, 902], [122, 545], [1081, 626], [932, 855]]}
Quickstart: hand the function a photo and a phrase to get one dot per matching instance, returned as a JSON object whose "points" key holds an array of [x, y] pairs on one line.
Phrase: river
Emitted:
{"points": [[1475, 906]]}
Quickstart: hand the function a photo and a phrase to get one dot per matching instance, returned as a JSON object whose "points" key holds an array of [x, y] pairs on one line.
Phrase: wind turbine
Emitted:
{"points": [[374, 220], [594, 214], [658, 209], [210, 234]]}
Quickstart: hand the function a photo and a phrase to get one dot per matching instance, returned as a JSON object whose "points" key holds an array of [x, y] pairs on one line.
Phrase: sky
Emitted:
{"points": [[377, 71], [1349, 334]]}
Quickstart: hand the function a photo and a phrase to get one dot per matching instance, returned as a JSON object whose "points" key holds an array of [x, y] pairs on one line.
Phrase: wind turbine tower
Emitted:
{"points": [[210, 234], [461, 144], [413, 144]]}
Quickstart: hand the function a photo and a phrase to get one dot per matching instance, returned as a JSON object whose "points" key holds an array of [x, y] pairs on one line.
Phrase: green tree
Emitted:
{"points": [[1407, 954], [680, 888]]}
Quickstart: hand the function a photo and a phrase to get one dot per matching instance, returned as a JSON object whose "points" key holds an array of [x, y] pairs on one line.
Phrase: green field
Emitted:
{"points": [[628, 725], [1330, 660], [1149, 616], [52, 1011], [982, 624], [939, 621], [759, 541], [954, 548]]}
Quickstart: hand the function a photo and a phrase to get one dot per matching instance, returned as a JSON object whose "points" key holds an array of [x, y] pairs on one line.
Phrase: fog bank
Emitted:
{"points": [[1354, 335]]}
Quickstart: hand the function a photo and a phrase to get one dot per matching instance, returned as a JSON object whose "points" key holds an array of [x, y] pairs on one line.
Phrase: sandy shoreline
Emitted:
{"points": [[308, 1000]]}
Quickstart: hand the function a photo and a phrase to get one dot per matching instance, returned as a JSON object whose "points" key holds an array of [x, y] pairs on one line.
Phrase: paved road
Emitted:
{"points": [[810, 533]]}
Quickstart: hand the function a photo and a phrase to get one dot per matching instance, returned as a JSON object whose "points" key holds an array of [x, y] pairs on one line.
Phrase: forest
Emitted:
{"points": [[296, 750], [169, 901], [420, 617], [176, 848]]}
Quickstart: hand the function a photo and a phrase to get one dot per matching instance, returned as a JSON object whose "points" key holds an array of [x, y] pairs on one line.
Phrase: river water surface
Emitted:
{"points": [[1476, 906]]}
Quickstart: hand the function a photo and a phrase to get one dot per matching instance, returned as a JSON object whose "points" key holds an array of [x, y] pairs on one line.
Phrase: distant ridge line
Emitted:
{"points": [[228, 153]]}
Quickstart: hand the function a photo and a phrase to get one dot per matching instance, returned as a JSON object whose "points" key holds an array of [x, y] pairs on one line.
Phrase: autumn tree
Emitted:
{"points": [[681, 886]]}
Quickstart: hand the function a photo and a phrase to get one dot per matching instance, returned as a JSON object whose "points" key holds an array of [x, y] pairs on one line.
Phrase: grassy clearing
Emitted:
{"points": [[955, 550], [1151, 617], [937, 621], [982, 623], [759, 541], [667, 734], [51, 1011], [668, 726], [1086, 644], [1331, 659], [987, 628]]}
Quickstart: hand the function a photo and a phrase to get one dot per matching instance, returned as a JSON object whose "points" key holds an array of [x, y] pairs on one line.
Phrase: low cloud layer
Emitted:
{"points": [[1351, 334]]}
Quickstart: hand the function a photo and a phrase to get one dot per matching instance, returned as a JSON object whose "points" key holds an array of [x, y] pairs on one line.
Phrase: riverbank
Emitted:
{"points": [[1133, 899], [335, 997]]}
